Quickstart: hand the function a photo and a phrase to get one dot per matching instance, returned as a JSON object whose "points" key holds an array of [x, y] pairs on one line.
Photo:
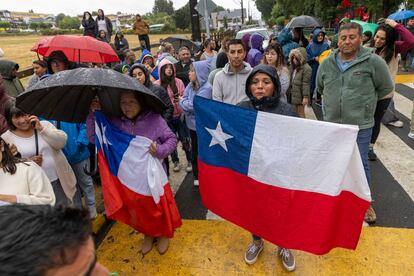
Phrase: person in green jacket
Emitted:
{"points": [[12, 84], [352, 79]]}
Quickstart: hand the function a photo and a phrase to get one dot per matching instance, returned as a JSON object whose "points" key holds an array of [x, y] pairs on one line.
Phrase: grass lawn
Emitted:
{"points": [[17, 48]]}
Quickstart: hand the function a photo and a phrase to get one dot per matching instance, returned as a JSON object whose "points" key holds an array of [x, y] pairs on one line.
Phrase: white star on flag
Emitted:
{"points": [[218, 136], [103, 140]]}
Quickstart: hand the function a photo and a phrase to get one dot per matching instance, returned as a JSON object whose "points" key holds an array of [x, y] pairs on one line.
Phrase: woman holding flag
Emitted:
{"points": [[143, 139]]}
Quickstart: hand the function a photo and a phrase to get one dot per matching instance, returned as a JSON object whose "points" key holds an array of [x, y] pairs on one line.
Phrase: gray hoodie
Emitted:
{"points": [[229, 87]]}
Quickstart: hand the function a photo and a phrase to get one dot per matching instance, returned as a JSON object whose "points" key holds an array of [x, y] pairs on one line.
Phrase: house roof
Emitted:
{"points": [[232, 14]]}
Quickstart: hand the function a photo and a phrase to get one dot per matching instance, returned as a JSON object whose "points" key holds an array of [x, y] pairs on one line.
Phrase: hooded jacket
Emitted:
{"points": [[202, 70], [146, 53], [178, 83], [271, 104], [286, 41], [159, 91], [246, 41], [255, 54], [229, 87], [350, 97], [4, 99], [12, 85], [299, 80]]}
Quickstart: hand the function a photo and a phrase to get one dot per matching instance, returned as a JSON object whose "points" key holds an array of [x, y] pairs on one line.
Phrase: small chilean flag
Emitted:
{"points": [[297, 183], [135, 186]]}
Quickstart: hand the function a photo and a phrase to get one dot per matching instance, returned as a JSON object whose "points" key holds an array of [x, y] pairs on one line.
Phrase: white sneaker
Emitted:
{"points": [[176, 167], [196, 182], [411, 135], [189, 168], [396, 124], [92, 212]]}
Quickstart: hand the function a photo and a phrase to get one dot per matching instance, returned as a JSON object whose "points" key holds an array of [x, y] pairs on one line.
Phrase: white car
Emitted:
{"points": [[263, 31]]}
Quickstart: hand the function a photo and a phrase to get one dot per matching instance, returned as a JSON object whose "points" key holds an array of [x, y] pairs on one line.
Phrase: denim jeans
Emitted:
{"points": [[84, 185], [363, 140], [179, 128]]}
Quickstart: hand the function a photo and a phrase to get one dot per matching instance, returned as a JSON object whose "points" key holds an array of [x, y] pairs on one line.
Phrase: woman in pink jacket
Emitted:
{"points": [[175, 88]]}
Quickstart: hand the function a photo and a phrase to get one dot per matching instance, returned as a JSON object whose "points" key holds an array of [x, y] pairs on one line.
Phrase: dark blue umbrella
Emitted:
{"points": [[401, 15], [67, 95]]}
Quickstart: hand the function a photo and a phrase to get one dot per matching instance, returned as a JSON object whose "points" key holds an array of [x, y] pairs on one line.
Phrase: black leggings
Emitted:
{"points": [[382, 106], [194, 148]]}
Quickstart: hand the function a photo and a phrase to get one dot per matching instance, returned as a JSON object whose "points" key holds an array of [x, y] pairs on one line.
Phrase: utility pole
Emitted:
{"points": [[206, 17], [195, 21], [242, 11]]}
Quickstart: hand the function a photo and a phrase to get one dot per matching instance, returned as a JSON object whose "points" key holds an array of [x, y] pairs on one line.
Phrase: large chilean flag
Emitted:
{"points": [[298, 183], [135, 186]]}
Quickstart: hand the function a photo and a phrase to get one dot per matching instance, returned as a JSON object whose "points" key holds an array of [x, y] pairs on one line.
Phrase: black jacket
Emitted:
{"points": [[181, 72], [89, 27], [159, 91], [267, 104]]}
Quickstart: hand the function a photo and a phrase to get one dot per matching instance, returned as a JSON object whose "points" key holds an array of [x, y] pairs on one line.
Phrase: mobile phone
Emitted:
{"points": [[33, 124]]}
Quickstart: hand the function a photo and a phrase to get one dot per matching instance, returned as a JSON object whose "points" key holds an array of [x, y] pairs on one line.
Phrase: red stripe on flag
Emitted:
{"points": [[138, 211], [291, 219]]}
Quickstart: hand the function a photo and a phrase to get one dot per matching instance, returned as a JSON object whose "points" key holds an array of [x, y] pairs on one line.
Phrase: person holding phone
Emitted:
{"points": [[42, 143]]}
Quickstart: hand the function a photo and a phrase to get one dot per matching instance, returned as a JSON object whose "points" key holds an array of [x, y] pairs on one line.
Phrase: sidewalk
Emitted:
{"points": [[217, 248]]}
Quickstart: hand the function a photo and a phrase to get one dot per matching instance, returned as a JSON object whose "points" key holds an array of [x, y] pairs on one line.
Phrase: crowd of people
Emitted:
{"points": [[42, 162]]}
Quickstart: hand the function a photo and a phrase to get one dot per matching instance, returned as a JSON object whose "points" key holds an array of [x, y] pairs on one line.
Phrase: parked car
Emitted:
{"points": [[263, 31]]}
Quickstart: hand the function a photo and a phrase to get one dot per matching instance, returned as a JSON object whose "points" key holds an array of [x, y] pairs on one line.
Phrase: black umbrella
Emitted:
{"points": [[302, 22], [179, 41], [67, 95]]}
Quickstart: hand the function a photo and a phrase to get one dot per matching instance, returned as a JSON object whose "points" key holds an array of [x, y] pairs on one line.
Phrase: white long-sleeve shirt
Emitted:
{"points": [[29, 184]]}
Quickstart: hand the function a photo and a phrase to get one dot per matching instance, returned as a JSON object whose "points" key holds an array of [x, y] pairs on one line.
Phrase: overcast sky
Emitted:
{"points": [[75, 7]]}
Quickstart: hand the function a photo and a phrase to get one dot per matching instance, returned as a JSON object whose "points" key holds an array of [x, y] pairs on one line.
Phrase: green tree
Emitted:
{"points": [[4, 25], [182, 17], [265, 7], [225, 22], [69, 23], [34, 26], [163, 6], [59, 18]]}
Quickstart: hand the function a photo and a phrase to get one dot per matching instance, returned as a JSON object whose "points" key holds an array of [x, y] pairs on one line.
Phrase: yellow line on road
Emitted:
{"points": [[404, 78], [203, 247]]}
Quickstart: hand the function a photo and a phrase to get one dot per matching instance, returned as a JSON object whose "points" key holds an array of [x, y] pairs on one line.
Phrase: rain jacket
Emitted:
{"points": [[178, 83], [146, 53], [299, 80], [158, 91], [228, 87], [286, 41], [76, 148], [4, 99], [350, 97], [141, 27], [148, 124], [246, 42], [315, 49], [204, 90], [271, 104], [255, 54], [12, 85]]}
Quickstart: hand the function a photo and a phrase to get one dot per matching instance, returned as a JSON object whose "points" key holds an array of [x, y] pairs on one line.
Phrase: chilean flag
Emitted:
{"points": [[135, 186], [297, 183]]}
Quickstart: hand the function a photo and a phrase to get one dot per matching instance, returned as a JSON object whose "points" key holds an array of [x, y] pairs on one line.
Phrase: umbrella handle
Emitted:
{"points": [[95, 168]]}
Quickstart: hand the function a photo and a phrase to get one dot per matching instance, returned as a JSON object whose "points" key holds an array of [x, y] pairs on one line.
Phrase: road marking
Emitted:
{"points": [[403, 105]]}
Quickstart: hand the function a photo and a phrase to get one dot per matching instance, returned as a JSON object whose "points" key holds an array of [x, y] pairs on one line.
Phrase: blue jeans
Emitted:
{"points": [[363, 140], [84, 183]]}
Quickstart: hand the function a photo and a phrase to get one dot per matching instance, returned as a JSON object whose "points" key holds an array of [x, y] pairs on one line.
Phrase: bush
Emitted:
{"points": [[60, 31]]}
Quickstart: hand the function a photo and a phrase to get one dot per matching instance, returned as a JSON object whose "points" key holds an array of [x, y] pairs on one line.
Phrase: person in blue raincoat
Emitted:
{"points": [[285, 40], [315, 48], [149, 61]]}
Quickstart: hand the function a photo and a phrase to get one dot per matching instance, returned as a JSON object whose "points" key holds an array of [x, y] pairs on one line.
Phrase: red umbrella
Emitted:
{"points": [[77, 48]]}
